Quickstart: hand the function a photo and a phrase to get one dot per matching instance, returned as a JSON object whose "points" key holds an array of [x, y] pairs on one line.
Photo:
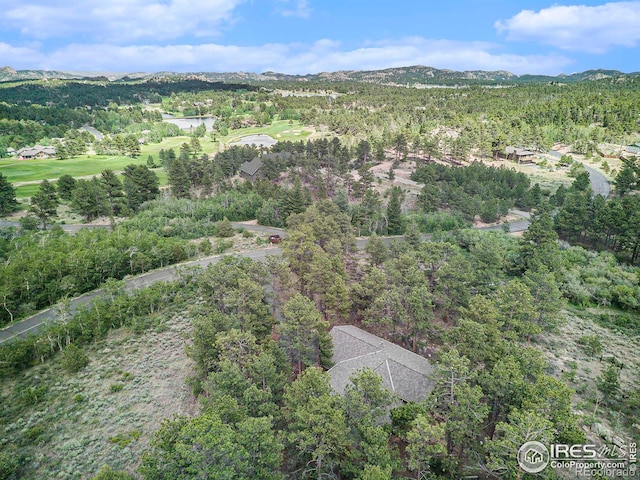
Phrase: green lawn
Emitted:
{"points": [[39, 169], [27, 191], [34, 171]]}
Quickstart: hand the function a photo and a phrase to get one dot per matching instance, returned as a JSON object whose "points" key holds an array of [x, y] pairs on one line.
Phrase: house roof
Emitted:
{"points": [[250, 168], [403, 372], [35, 150], [521, 152], [635, 149]]}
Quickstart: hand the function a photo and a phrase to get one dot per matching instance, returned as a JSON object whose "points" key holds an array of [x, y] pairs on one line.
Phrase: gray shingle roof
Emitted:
{"points": [[519, 151], [35, 150], [403, 372], [250, 168]]}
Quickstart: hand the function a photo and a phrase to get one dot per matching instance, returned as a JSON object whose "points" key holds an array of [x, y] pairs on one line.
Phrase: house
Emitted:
{"points": [[633, 149], [251, 170], [519, 155], [403, 372], [11, 151], [38, 151]]}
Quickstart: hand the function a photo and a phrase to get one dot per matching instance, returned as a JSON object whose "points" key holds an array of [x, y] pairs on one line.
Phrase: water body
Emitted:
{"points": [[188, 123]]}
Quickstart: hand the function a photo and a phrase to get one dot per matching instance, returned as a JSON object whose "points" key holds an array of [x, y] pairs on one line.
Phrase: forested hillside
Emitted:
{"points": [[457, 223]]}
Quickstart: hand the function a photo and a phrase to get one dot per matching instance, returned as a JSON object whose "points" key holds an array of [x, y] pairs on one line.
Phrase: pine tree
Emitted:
{"points": [[65, 186], [90, 199], [539, 244], [113, 190], [302, 328], [8, 202], [44, 204], [294, 200], [412, 233], [178, 177], [140, 185], [394, 212]]}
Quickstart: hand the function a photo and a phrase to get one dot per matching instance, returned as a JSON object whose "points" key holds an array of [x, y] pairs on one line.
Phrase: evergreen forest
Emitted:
{"points": [[169, 313]]}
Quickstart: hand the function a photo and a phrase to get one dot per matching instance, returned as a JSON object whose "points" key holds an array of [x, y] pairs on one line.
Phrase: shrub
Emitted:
{"points": [[592, 345], [34, 433], [222, 246], [30, 223], [107, 473], [205, 246], [116, 387], [33, 395], [11, 459], [565, 160], [74, 359], [123, 439], [224, 228]]}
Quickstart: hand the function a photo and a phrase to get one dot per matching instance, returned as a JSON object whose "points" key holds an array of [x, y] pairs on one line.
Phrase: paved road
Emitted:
{"points": [[30, 324], [75, 228], [599, 184]]}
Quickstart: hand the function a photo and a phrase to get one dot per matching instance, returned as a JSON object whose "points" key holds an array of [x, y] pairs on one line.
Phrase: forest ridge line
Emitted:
{"points": [[412, 75]]}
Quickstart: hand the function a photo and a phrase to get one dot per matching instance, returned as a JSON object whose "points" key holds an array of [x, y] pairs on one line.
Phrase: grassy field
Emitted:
{"points": [[27, 174], [18, 171]]}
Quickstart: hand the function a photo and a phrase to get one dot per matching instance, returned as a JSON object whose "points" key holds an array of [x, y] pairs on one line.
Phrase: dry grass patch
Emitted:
{"points": [[579, 366], [108, 412]]}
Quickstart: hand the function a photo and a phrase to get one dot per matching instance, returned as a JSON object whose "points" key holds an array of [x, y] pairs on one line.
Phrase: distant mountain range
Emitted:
{"points": [[414, 76]]}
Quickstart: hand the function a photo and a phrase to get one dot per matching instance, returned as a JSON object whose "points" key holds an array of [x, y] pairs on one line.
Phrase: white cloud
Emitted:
{"points": [[300, 8], [119, 21], [296, 58], [20, 57], [579, 28]]}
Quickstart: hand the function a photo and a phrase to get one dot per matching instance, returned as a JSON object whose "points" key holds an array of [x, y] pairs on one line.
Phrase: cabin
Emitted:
{"points": [[516, 154], [251, 170], [519, 155], [403, 372], [38, 151]]}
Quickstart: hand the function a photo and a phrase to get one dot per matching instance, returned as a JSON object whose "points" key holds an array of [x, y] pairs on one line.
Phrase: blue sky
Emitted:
{"points": [[311, 36]]}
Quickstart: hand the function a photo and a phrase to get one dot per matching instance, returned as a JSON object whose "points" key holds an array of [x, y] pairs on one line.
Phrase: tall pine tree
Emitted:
{"points": [[8, 202], [394, 212]]}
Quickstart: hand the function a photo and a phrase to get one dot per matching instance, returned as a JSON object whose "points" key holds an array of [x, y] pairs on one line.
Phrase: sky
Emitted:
{"points": [[312, 36]]}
